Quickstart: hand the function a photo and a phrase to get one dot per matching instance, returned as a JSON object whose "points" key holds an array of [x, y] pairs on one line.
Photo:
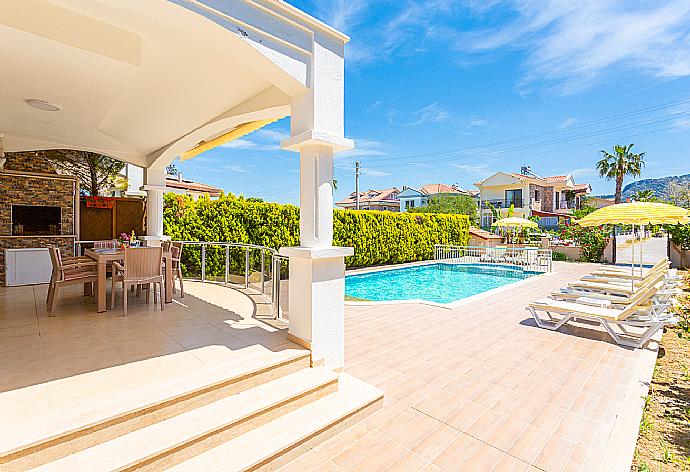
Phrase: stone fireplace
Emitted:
{"points": [[38, 207]]}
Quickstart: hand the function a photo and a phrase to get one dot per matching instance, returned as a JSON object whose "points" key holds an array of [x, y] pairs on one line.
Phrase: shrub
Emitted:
{"points": [[378, 237], [559, 256], [680, 235], [592, 240]]}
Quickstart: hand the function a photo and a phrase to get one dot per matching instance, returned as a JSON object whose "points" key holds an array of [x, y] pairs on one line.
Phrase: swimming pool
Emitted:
{"points": [[438, 283]]}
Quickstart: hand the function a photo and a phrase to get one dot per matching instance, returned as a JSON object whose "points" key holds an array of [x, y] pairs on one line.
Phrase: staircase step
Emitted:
{"points": [[54, 435], [282, 440], [178, 438]]}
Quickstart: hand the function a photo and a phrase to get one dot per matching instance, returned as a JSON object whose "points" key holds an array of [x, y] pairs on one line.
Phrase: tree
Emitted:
{"points": [[172, 170], [456, 204], [619, 164], [96, 172], [679, 194], [645, 196]]}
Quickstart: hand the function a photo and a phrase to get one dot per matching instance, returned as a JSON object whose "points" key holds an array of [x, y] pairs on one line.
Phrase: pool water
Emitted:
{"points": [[439, 283]]}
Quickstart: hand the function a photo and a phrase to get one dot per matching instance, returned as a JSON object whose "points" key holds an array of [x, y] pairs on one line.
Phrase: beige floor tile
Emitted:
{"points": [[429, 447], [409, 427], [374, 452]]}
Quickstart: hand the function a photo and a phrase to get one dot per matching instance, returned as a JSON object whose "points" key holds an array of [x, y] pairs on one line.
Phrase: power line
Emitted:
{"points": [[546, 133]]}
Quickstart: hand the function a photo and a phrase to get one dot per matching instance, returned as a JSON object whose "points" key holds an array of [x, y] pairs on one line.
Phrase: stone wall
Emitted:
{"points": [[30, 190], [46, 188], [30, 161], [545, 202]]}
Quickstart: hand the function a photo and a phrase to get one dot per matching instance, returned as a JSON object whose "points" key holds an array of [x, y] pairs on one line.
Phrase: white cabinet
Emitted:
{"points": [[27, 266]]}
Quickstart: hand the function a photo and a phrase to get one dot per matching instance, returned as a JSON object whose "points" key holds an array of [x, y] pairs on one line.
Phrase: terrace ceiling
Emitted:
{"points": [[132, 78]]}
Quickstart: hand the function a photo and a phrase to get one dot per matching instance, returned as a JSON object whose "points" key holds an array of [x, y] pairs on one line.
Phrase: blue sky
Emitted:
{"points": [[451, 91]]}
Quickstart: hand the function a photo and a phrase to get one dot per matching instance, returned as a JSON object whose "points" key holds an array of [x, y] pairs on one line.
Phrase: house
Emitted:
{"points": [[414, 198], [134, 176], [382, 200], [191, 188], [551, 198]]}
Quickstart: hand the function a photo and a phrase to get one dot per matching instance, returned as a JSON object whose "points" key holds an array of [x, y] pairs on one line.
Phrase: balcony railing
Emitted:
{"points": [[516, 202], [530, 258]]}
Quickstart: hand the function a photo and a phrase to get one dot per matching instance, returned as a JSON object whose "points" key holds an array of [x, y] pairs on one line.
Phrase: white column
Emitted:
{"points": [[317, 268], [154, 185]]}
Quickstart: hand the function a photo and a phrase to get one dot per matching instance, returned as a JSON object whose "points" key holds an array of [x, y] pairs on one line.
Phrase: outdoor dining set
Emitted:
{"points": [[147, 269]]}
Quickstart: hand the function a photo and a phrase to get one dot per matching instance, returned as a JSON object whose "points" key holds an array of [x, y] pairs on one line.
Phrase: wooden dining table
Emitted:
{"points": [[107, 256]]}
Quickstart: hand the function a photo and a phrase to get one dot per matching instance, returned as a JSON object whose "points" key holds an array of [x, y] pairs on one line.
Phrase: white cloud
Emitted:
{"points": [[432, 113], [568, 122], [583, 172], [375, 172], [475, 169], [477, 122], [239, 144], [364, 148], [574, 44], [271, 134], [235, 168]]}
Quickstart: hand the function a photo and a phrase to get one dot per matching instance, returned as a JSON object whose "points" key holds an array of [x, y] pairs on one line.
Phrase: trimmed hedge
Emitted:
{"points": [[378, 237]]}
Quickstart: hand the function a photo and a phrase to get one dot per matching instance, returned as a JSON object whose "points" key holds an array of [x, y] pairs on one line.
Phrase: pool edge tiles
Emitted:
{"points": [[448, 305]]}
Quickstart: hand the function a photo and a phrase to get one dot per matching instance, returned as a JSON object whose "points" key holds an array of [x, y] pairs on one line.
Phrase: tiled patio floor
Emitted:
{"points": [[480, 388], [49, 363]]}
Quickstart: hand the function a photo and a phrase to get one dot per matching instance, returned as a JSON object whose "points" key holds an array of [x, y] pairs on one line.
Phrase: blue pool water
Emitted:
{"points": [[440, 283]]}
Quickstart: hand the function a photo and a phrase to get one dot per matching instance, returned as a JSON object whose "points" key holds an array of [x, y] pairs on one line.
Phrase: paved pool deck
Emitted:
{"points": [[481, 388]]}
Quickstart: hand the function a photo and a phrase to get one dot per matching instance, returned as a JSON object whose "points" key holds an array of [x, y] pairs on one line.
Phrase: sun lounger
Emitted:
{"points": [[669, 274], [664, 295], [616, 287], [632, 326], [626, 271]]}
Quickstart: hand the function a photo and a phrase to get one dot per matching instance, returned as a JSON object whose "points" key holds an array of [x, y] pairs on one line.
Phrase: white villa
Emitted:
{"points": [[245, 373], [551, 198]]}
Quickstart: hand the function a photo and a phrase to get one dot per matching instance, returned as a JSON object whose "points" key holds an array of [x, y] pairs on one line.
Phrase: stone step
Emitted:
{"points": [[51, 436], [176, 439], [287, 437]]}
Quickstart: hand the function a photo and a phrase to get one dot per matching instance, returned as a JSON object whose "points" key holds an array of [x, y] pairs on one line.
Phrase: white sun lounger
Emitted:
{"points": [[663, 295], [618, 323], [623, 271]]}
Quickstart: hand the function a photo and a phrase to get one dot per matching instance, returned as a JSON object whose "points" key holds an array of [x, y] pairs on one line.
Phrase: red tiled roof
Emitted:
{"points": [[480, 233], [174, 182], [581, 187], [370, 196], [433, 189], [555, 178]]}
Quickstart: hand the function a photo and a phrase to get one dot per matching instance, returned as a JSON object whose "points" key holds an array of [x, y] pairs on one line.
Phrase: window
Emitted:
{"points": [[536, 195], [548, 221], [514, 197], [409, 204]]}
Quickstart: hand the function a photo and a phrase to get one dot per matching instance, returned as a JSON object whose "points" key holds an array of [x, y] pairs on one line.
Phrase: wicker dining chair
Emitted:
{"points": [[70, 271], [142, 266], [176, 256], [105, 244]]}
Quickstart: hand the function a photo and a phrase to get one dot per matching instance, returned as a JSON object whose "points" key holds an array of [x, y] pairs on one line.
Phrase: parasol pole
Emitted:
{"points": [[632, 261]]}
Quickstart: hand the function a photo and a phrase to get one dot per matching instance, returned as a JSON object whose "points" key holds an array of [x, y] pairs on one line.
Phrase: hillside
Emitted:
{"points": [[658, 186]]}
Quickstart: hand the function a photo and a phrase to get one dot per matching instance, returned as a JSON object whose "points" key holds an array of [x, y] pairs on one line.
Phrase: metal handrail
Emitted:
{"points": [[531, 258], [275, 266], [276, 259]]}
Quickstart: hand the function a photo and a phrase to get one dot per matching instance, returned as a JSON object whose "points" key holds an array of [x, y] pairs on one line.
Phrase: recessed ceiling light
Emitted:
{"points": [[41, 105]]}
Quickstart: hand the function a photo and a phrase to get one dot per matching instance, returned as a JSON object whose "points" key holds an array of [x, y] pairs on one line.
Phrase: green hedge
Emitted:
{"points": [[378, 237]]}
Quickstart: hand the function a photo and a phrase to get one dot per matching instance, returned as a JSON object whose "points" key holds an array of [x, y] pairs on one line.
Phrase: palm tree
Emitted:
{"points": [[619, 164]]}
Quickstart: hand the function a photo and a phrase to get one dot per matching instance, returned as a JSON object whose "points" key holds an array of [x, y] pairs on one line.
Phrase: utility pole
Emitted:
{"points": [[357, 185]]}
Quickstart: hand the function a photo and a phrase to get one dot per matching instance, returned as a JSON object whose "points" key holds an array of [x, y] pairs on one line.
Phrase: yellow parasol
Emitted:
{"points": [[637, 213], [514, 223]]}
